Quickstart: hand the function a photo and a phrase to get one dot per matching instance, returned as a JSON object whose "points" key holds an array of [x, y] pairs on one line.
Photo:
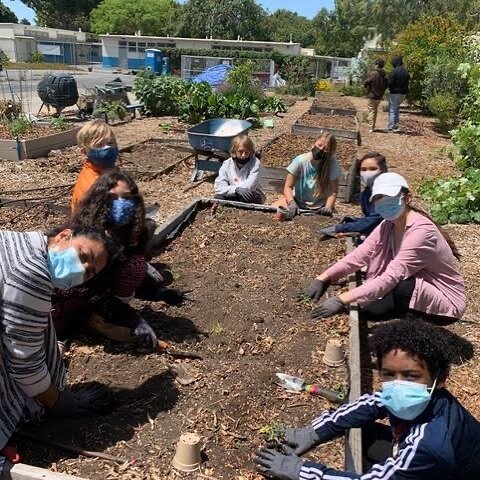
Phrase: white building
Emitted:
{"points": [[18, 41], [128, 51]]}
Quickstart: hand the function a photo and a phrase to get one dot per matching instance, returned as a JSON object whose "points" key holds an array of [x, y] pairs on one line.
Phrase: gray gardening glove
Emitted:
{"points": [[301, 439], [327, 232], [325, 211], [315, 290], [245, 194], [293, 208], [144, 335], [80, 403], [273, 464], [328, 308]]}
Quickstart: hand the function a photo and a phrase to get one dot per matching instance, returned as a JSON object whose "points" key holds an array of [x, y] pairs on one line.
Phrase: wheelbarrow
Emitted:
{"points": [[211, 141]]}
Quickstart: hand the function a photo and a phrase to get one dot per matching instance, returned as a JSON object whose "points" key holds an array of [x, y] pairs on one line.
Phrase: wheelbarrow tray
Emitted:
{"points": [[216, 134]]}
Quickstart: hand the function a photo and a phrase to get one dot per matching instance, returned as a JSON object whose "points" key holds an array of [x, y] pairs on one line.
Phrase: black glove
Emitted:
{"points": [[301, 439], [80, 403], [327, 211], [245, 194], [327, 232], [330, 307], [273, 464], [144, 335], [315, 290], [173, 296]]}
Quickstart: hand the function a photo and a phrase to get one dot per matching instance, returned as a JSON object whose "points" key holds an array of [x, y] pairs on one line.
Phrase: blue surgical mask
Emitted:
{"points": [[104, 157], [65, 267], [406, 400], [122, 211], [389, 208]]}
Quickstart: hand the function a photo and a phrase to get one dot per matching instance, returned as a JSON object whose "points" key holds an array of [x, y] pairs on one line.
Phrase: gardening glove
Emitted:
{"points": [[273, 464], [315, 290], [245, 194], [327, 211], [144, 335], [80, 403], [301, 439], [327, 232], [330, 307], [174, 296]]}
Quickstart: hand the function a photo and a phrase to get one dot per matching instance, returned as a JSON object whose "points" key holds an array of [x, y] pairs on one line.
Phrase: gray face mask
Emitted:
{"points": [[369, 177]]}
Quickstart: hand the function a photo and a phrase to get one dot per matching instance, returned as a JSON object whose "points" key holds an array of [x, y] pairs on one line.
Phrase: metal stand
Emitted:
{"points": [[207, 161]]}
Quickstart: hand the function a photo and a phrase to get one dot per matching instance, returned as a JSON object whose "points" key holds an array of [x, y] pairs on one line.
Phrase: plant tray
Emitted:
{"points": [[37, 147]]}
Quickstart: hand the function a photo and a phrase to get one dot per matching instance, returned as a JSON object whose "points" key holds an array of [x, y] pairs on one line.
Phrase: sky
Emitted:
{"points": [[308, 8]]}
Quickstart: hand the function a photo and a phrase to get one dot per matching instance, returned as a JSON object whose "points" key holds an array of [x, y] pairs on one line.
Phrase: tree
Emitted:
{"points": [[67, 14], [150, 17], [6, 15], [25, 21], [227, 19], [283, 26]]}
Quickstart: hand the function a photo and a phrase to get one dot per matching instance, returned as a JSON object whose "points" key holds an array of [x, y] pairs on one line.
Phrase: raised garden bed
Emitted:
{"points": [[244, 269], [333, 100], [35, 145], [326, 109]]}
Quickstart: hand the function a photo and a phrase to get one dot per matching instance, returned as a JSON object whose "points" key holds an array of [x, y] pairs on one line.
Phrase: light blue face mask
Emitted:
{"points": [[389, 208], [65, 268], [406, 400]]}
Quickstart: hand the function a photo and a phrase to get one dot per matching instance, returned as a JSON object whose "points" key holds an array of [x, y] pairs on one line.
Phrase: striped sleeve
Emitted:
{"points": [[26, 305], [363, 411], [415, 461]]}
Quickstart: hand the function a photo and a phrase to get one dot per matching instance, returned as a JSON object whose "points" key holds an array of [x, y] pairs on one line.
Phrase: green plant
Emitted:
{"points": [[218, 329], [165, 127], [454, 200], [18, 127], [4, 60], [274, 105], [273, 433], [112, 110], [354, 90], [445, 107], [59, 123], [35, 57]]}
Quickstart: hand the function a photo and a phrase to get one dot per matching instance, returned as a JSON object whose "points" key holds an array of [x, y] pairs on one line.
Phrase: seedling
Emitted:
{"points": [[218, 329], [273, 433], [306, 301], [166, 127]]}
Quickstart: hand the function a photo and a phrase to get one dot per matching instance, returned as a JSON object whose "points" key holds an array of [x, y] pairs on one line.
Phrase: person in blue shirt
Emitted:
{"points": [[431, 435], [371, 165]]}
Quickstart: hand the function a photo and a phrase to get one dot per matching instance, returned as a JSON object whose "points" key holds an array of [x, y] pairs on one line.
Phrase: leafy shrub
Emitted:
{"points": [[241, 81], [445, 107], [3, 58], [354, 90], [274, 105], [18, 127], [323, 85], [59, 123], [466, 139], [307, 88], [35, 57], [454, 200]]}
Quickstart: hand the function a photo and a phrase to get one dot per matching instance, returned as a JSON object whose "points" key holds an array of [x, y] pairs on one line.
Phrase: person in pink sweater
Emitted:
{"points": [[410, 264]]}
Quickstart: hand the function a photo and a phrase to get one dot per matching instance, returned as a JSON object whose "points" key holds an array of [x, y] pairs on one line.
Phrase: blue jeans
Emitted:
{"points": [[394, 109]]}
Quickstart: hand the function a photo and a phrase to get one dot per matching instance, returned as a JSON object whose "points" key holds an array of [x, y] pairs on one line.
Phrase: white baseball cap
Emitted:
{"points": [[389, 184]]}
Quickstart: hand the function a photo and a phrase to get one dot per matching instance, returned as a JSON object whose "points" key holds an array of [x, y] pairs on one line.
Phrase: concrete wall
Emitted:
{"points": [[7, 45], [25, 46]]}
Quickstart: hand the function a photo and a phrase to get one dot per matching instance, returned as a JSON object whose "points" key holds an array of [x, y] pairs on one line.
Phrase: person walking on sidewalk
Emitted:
{"points": [[398, 85], [375, 84]]}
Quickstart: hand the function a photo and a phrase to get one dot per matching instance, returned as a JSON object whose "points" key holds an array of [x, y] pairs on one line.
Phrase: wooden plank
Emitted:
{"points": [[352, 182], [21, 471], [354, 447], [324, 110], [39, 147], [8, 150], [307, 130]]}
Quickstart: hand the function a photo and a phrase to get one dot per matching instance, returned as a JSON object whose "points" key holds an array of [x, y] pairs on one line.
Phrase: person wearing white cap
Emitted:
{"points": [[411, 264]]}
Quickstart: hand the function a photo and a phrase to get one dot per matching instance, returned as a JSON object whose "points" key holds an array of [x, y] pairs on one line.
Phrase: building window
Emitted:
{"points": [[132, 44], [132, 49], [122, 43]]}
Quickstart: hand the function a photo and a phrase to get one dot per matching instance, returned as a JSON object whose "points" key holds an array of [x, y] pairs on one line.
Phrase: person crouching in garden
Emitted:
{"points": [[239, 176], [430, 436], [32, 375], [411, 264], [312, 181]]}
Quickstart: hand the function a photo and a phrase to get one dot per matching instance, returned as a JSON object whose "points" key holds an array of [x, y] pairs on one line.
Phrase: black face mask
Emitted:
{"points": [[241, 161], [319, 154]]}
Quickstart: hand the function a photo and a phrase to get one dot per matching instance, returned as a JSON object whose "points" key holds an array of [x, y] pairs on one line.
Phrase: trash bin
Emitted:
{"points": [[153, 60]]}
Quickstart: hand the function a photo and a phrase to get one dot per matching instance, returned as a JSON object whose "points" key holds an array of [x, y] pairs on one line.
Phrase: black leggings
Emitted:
{"points": [[395, 304]]}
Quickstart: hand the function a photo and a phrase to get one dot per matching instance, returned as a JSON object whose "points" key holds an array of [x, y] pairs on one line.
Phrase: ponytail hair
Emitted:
{"points": [[445, 235], [323, 174]]}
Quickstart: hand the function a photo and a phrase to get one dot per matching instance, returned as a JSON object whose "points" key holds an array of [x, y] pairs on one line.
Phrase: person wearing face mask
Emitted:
{"points": [[103, 304], [410, 261], [97, 142], [32, 375], [430, 436], [239, 176], [312, 181], [371, 165]]}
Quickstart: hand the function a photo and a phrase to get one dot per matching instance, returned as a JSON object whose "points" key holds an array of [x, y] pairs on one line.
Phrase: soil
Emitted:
{"points": [[285, 148], [333, 100], [36, 131], [341, 122], [246, 324]]}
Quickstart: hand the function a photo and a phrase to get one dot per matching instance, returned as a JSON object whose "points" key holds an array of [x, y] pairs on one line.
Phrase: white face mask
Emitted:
{"points": [[369, 176]]}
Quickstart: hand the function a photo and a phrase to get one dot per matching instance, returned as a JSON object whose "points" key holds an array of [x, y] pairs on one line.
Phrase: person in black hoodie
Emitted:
{"points": [[376, 84], [398, 85]]}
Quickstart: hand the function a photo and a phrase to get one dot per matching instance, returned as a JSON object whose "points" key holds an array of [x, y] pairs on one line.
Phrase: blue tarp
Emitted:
{"points": [[215, 76]]}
